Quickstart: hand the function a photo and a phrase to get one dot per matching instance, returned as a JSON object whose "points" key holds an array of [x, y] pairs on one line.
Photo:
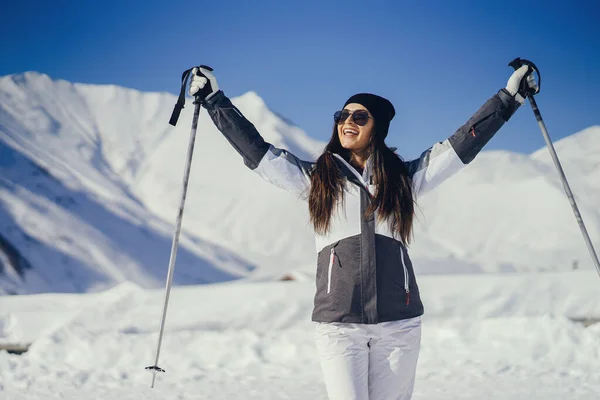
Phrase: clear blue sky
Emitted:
{"points": [[436, 61]]}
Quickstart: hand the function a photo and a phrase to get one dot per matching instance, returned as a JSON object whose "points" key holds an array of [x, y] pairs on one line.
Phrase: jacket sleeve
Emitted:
{"points": [[276, 166], [445, 158]]}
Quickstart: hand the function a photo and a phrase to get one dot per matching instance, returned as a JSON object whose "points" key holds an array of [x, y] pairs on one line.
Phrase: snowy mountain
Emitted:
{"points": [[66, 193], [508, 211], [90, 179]]}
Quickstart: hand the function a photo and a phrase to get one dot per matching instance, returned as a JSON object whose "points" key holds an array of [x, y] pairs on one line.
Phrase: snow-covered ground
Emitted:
{"points": [[505, 336]]}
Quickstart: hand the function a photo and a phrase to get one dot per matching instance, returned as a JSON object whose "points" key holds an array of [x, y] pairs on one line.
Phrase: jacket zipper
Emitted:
{"points": [[330, 269], [331, 261], [405, 277]]}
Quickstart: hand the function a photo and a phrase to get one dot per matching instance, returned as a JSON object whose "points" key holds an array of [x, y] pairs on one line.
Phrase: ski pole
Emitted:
{"points": [[530, 88], [198, 100]]}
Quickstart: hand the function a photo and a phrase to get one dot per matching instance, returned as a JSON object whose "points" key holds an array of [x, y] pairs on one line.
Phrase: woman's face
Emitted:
{"points": [[352, 136]]}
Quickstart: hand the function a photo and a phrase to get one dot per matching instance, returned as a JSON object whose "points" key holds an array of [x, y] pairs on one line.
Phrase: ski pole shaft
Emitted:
{"points": [[584, 232], [155, 369]]}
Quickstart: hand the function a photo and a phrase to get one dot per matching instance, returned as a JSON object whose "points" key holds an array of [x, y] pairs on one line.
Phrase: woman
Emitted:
{"points": [[361, 201]]}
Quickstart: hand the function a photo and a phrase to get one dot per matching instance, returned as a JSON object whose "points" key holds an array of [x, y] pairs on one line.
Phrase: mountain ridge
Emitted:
{"points": [[113, 148]]}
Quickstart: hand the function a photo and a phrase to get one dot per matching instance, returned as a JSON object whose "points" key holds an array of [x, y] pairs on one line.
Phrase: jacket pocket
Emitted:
{"points": [[476, 124], [332, 259], [406, 276]]}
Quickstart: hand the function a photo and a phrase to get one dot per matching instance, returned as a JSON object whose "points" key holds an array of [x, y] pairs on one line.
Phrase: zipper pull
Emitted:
{"points": [[407, 297], [332, 258]]}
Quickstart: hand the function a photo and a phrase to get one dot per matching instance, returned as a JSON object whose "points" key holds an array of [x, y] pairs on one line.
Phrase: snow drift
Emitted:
{"points": [[485, 336]]}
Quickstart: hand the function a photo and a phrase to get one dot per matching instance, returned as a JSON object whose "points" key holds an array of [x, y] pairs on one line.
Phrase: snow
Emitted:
{"points": [[90, 178], [484, 336]]}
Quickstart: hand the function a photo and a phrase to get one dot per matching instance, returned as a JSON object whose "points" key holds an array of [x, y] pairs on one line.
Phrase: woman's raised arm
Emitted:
{"points": [[276, 166], [444, 159]]}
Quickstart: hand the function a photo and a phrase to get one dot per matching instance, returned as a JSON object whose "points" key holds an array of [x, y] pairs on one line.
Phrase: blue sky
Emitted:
{"points": [[437, 61]]}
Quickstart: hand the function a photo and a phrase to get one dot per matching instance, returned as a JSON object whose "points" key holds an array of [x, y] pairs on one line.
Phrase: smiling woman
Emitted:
{"points": [[361, 195], [358, 136]]}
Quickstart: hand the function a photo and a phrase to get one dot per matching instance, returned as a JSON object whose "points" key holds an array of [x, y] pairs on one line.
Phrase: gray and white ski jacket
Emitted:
{"points": [[364, 273]]}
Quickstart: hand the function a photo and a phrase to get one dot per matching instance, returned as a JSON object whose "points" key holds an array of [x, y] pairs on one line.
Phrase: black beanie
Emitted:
{"points": [[380, 108]]}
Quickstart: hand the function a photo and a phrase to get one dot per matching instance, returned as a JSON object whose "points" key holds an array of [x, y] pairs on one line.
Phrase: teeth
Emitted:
{"points": [[351, 131]]}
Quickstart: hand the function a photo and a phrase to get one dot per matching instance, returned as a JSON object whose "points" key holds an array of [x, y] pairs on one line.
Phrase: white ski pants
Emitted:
{"points": [[369, 362]]}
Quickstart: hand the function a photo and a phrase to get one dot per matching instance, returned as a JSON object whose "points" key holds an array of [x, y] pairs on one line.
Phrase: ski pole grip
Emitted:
{"points": [[525, 87], [207, 89], [199, 97]]}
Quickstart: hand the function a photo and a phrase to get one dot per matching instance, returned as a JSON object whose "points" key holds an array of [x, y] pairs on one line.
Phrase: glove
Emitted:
{"points": [[515, 85], [203, 84]]}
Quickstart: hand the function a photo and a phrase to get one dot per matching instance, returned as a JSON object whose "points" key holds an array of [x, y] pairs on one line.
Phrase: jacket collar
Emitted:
{"points": [[352, 174]]}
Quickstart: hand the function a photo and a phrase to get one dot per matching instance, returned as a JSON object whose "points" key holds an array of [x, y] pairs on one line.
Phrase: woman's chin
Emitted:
{"points": [[348, 145]]}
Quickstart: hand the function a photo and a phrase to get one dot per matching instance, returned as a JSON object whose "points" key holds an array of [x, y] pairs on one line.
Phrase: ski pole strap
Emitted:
{"points": [[181, 100]]}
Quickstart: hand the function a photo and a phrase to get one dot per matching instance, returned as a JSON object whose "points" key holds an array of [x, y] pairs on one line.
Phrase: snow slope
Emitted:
{"points": [[67, 210], [509, 212], [92, 176], [484, 337]]}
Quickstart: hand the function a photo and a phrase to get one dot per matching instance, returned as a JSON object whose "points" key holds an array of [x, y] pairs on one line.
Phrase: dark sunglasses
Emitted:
{"points": [[360, 117]]}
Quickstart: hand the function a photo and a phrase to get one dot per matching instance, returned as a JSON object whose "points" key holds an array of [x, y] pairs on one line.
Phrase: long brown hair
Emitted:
{"points": [[393, 199]]}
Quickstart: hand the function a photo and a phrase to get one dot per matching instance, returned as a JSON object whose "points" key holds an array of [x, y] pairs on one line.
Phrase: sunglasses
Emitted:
{"points": [[360, 117]]}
